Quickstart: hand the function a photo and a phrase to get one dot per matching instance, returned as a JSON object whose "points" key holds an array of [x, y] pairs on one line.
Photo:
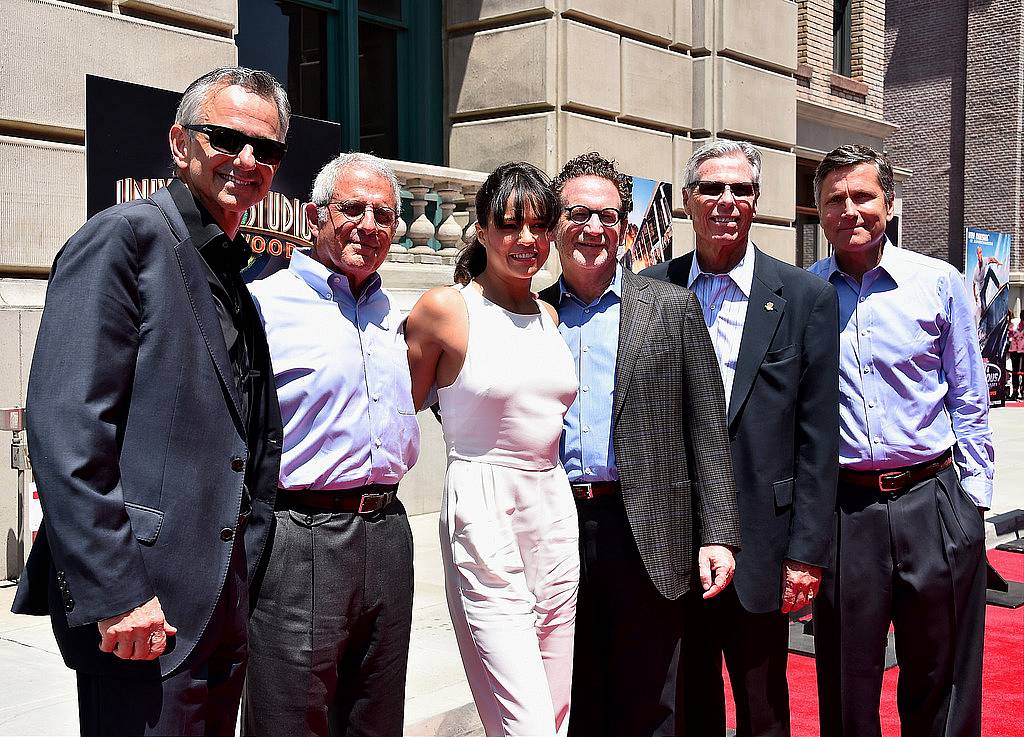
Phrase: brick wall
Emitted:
{"points": [[953, 84], [924, 96], [862, 92], [993, 147]]}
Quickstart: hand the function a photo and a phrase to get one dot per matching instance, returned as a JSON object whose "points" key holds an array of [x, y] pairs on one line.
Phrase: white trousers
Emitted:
{"points": [[509, 539]]}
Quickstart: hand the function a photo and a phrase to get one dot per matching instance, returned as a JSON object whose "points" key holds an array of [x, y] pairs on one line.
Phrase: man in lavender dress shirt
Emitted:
{"points": [[910, 541], [329, 635]]}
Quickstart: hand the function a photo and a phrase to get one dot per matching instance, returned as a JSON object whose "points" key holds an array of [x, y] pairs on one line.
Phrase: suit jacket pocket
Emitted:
{"points": [[783, 492], [781, 355], [145, 521]]}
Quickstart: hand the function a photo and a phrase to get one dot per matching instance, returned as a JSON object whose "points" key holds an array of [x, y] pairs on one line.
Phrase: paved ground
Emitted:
{"points": [[37, 694]]}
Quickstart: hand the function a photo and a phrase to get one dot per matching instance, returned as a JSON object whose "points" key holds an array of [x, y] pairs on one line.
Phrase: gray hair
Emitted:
{"points": [[190, 109], [323, 185], [850, 155], [716, 150]]}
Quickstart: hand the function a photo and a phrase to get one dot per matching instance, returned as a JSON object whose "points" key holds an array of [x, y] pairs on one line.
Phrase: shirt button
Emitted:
{"points": [[585, 388], [369, 351], [586, 428], [862, 299], [376, 397], [227, 534], [867, 369], [588, 471], [864, 332], [877, 440], [378, 442], [237, 464], [871, 404], [586, 348], [586, 310]]}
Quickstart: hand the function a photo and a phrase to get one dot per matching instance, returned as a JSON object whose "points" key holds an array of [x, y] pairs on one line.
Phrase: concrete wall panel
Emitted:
{"points": [[460, 12], [652, 18], [682, 150], [763, 32], [702, 24], [703, 115], [754, 103], [117, 46], [42, 199], [482, 145], [657, 86], [778, 184], [775, 240], [217, 13], [682, 237], [636, 150], [592, 85], [683, 35], [502, 69]]}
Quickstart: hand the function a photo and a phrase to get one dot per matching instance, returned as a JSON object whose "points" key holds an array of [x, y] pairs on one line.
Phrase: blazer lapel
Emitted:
{"points": [[635, 316], [764, 312]]}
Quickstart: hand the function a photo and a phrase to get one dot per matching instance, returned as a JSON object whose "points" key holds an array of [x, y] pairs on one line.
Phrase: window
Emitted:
{"points": [[374, 66], [842, 12]]}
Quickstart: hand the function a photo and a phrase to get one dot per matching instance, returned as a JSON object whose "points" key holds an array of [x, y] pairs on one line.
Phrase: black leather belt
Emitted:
{"points": [[367, 499], [894, 482], [596, 489]]}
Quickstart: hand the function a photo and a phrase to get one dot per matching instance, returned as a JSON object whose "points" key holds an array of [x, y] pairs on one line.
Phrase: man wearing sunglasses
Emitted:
{"points": [[155, 433], [329, 635], [646, 452], [772, 326]]}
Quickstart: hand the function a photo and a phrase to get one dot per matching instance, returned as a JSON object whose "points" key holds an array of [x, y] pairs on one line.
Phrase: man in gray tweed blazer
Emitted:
{"points": [[646, 450]]}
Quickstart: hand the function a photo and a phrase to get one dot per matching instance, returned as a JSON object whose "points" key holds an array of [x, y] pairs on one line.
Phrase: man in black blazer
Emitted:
{"points": [[646, 451], [773, 329], [155, 432]]}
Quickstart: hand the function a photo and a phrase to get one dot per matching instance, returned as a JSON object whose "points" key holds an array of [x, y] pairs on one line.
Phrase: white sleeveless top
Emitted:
{"points": [[507, 403]]}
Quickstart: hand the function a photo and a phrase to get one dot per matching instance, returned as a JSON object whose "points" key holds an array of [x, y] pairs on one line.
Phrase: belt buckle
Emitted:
{"points": [[897, 479], [370, 503], [584, 491]]}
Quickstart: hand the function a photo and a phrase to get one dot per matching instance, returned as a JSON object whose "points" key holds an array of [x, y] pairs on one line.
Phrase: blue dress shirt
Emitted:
{"points": [[342, 378], [723, 300], [911, 379], [592, 333]]}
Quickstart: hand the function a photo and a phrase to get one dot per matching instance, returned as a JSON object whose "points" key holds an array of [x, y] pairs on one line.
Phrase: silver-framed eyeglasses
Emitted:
{"points": [[581, 214], [354, 210]]}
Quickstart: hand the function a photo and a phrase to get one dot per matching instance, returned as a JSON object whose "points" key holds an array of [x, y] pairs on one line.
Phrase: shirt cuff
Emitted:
{"points": [[979, 489]]}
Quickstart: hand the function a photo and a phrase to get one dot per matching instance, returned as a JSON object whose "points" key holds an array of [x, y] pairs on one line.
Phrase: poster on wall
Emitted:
{"points": [[987, 272], [127, 157], [648, 238]]}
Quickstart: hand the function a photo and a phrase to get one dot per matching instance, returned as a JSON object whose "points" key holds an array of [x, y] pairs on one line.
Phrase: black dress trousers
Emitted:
{"points": [[628, 636], [916, 561]]}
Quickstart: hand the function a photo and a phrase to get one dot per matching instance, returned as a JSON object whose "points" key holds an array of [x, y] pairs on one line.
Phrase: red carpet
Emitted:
{"points": [[1003, 710]]}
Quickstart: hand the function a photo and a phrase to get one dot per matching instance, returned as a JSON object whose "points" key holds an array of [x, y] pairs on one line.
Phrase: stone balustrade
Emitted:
{"points": [[433, 189]]}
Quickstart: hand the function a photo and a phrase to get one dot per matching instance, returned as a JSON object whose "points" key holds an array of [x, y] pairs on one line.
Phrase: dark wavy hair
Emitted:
{"points": [[521, 184], [594, 164]]}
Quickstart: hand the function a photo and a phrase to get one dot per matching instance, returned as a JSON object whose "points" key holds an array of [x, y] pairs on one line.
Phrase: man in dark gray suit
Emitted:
{"points": [[155, 432], [773, 329], [646, 451]]}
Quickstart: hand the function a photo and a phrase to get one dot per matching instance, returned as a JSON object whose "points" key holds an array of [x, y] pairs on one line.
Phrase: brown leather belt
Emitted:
{"points": [[894, 482], [596, 489], [367, 499]]}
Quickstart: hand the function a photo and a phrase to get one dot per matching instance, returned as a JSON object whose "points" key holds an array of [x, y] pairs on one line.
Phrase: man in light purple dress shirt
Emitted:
{"points": [[329, 635], [916, 464]]}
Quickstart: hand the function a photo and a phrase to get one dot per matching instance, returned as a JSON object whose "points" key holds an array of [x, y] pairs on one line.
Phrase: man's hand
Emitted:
{"points": [[800, 583], [140, 634], [717, 560]]}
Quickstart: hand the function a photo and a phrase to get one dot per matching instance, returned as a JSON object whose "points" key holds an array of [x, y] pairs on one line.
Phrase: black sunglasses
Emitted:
{"points": [[739, 190], [581, 214], [230, 141]]}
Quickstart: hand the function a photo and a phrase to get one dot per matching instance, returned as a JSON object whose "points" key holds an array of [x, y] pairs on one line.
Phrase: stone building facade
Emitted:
{"points": [[954, 76]]}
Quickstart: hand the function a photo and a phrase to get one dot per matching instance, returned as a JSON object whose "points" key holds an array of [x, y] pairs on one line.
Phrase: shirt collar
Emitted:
{"points": [[742, 273], [615, 287], [202, 229], [892, 263], [328, 284]]}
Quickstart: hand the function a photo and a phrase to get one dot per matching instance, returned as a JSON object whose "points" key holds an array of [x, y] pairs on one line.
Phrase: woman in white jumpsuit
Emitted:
{"points": [[509, 533]]}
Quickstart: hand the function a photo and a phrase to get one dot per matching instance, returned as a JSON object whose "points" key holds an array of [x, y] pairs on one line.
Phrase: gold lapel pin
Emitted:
{"points": [[769, 306]]}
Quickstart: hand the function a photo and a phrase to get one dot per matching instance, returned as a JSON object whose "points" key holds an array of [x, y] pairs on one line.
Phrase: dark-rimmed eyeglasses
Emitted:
{"points": [[229, 141], [353, 211], [581, 214], [740, 190]]}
